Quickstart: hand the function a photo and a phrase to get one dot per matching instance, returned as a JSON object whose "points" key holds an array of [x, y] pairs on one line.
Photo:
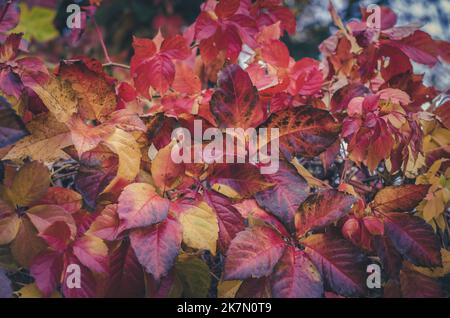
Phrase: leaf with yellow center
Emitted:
{"points": [[200, 227], [126, 147], [58, 96]]}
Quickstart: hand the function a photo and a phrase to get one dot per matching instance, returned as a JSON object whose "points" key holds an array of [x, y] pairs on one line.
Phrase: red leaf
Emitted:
{"points": [[390, 258], [175, 47], [205, 26], [417, 285], [94, 88], [12, 128], [159, 73], [186, 81], [288, 192], [88, 282], [414, 239], [306, 77], [11, 16], [68, 199], [342, 97], [322, 209], [286, 17], [106, 225], [235, 102], [43, 216], [143, 49], [254, 288], [444, 50], [400, 198], [419, 47], [10, 48], [156, 70], [250, 210], [46, 270], [245, 179], [276, 53], [362, 231], [253, 253], [304, 131], [126, 276], [226, 8], [229, 219], [57, 235], [92, 253], [399, 63], [163, 288], [387, 16], [339, 263], [97, 168], [140, 205], [166, 174], [296, 277], [157, 246], [83, 220], [86, 137], [443, 113], [126, 92]]}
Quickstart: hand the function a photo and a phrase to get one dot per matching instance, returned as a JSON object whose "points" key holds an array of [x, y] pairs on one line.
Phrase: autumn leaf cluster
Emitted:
{"points": [[88, 178]]}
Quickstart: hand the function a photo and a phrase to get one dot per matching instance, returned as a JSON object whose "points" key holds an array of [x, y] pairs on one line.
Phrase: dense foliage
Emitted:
{"points": [[88, 178]]}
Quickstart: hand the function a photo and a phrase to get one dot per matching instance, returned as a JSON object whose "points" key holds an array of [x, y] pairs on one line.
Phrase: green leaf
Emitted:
{"points": [[36, 23], [194, 275]]}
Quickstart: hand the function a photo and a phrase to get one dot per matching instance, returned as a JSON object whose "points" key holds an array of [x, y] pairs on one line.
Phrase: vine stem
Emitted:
{"points": [[100, 37], [109, 62], [117, 65]]}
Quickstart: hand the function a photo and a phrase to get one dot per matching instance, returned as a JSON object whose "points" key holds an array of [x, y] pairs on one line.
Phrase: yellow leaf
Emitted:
{"points": [[27, 244], [31, 291], [96, 95], [312, 181], [126, 147], [36, 23], [228, 288], [441, 136], [9, 227], [437, 271], [413, 166], [58, 96], [165, 173], [47, 138], [43, 216], [434, 207], [226, 191], [355, 48], [200, 227], [441, 222], [30, 183]]}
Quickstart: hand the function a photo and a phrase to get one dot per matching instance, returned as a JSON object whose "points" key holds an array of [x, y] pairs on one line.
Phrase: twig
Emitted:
{"points": [[65, 175], [116, 65], [62, 168], [214, 275], [109, 62], [100, 37], [360, 186]]}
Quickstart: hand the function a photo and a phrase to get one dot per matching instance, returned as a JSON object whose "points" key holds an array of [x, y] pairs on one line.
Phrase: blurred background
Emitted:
{"points": [[119, 20]]}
